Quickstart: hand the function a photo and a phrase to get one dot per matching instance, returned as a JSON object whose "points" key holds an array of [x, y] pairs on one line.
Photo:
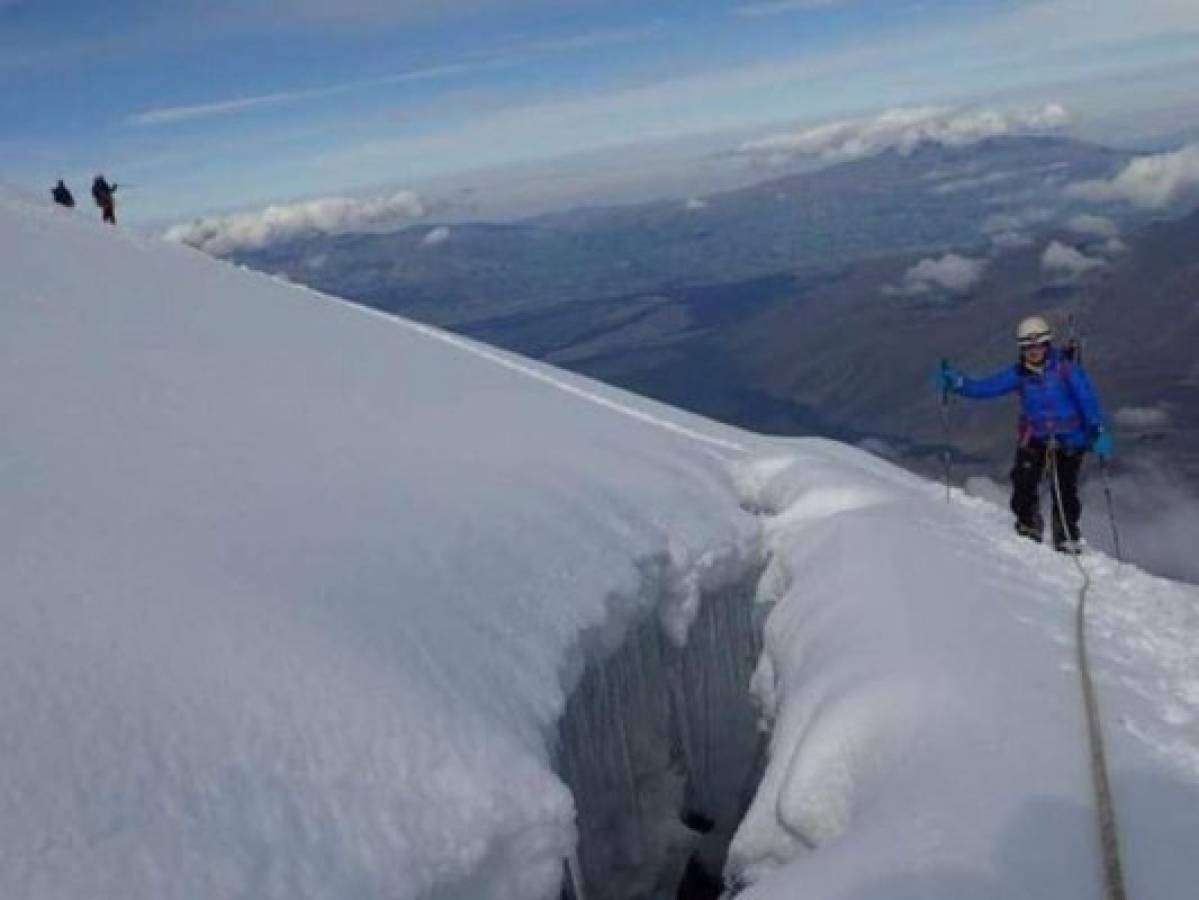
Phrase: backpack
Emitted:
{"points": [[102, 192]]}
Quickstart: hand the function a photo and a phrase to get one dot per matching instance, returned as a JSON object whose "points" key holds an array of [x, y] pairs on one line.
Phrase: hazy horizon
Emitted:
{"points": [[204, 108]]}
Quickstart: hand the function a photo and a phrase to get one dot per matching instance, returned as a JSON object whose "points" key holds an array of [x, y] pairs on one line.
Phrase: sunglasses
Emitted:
{"points": [[1030, 347]]}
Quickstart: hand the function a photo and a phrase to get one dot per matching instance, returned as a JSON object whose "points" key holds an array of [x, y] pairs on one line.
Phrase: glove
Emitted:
{"points": [[1102, 445], [948, 379]]}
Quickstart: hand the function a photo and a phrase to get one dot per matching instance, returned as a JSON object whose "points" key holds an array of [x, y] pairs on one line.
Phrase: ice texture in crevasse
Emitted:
{"points": [[660, 745]]}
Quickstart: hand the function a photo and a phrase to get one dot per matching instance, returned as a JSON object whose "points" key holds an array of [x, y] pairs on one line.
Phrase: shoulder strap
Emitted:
{"points": [[1066, 369]]}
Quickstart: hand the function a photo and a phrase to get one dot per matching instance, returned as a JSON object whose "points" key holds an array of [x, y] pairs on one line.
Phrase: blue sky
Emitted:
{"points": [[200, 106]]}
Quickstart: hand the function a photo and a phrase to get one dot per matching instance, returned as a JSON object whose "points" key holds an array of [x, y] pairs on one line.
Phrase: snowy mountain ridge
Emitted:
{"points": [[294, 596]]}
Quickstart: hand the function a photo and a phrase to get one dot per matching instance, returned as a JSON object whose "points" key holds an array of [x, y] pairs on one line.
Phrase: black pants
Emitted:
{"points": [[1030, 465]]}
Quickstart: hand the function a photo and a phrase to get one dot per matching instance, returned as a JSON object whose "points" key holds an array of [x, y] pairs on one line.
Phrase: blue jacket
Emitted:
{"points": [[1059, 401]]}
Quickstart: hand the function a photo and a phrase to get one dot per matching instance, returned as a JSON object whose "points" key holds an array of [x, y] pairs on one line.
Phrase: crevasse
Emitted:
{"points": [[660, 742]]}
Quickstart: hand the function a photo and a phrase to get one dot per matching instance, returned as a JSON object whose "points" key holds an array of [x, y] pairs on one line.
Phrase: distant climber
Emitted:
{"points": [[62, 194], [1060, 421], [103, 193]]}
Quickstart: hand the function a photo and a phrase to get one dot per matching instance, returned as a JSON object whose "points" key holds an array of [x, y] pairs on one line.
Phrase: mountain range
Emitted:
{"points": [[933, 197], [797, 306]]}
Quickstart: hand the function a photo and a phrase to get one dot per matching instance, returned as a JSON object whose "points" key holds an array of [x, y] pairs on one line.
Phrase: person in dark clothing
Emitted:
{"points": [[103, 193], [62, 194], [1060, 421]]}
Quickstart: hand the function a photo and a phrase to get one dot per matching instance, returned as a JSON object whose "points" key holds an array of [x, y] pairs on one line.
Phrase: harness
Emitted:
{"points": [[1062, 371]]}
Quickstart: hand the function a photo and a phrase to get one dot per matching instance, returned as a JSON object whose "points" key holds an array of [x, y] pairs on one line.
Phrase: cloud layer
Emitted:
{"points": [[438, 235], [1096, 226], [174, 114], [1062, 259], [1150, 182], [1141, 418], [953, 273], [1157, 513], [328, 215], [904, 130], [781, 7]]}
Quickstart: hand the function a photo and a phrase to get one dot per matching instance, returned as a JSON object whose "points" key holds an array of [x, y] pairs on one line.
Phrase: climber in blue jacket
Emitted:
{"points": [[1060, 421]]}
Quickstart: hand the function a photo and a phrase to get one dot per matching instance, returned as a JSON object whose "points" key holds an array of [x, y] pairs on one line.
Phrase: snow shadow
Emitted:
{"points": [[1053, 844], [661, 749]]}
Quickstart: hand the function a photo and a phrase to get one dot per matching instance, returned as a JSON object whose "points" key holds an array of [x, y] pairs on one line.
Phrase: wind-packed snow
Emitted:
{"points": [[292, 596]]}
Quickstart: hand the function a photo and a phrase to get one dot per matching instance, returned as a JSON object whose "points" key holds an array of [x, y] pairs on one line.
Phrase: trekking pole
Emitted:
{"points": [[1111, 509], [946, 457], [1076, 343]]}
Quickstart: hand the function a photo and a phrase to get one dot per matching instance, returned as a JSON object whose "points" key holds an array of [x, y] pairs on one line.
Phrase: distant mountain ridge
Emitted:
{"points": [[747, 306], [931, 198]]}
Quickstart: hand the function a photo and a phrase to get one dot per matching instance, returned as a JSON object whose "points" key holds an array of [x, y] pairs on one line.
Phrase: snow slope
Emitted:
{"points": [[292, 595], [929, 739]]}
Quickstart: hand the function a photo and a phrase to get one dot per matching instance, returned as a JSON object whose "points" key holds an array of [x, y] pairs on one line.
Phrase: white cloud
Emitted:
{"points": [[1140, 418], [322, 13], [1000, 222], [1060, 258], [780, 7], [587, 40], [959, 185], [905, 129], [1158, 515], [1068, 24], [1011, 240], [569, 43], [171, 115], [438, 235], [327, 215], [1097, 226], [1150, 182], [734, 97], [890, 68], [1114, 247], [695, 203], [953, 273]]}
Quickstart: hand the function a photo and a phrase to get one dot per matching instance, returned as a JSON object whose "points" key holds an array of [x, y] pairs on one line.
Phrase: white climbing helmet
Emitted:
{"points": [[1032, 331]]}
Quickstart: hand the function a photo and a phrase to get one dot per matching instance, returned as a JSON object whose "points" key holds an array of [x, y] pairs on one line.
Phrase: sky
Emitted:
{"points": [[210, 105]]}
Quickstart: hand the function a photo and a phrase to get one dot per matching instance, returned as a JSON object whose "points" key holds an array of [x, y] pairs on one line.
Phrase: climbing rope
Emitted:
{"points": [[1113, 873]]}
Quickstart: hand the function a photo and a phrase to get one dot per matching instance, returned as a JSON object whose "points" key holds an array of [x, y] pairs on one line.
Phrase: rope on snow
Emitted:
{"points": [[1113, 872]]}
